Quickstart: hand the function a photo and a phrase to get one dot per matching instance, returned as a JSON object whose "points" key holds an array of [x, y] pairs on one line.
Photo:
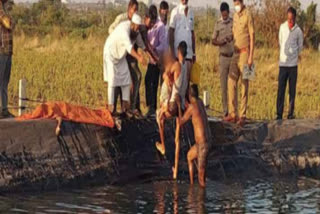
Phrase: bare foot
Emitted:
{"points": [[58, 128], [174, 173], [160, 148]]}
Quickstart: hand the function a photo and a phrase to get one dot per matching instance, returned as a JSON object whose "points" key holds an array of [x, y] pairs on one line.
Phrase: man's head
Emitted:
{"points": [[238, 5], [194, 92], [184, 2], [164, 11], [224, 9], [134, 27], [132, 8], [292, 14], [182, 50], [151, 16]]}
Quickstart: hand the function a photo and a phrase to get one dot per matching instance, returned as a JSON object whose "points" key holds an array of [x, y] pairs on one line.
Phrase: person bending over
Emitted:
{"points": [[197, 113]]}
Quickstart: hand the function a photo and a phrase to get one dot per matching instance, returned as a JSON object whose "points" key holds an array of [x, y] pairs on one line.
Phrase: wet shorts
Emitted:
{"points": [[202, 150]]}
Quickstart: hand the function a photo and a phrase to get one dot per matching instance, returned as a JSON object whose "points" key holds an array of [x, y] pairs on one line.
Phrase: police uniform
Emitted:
{"points": [[222, 31], [243, 27]]}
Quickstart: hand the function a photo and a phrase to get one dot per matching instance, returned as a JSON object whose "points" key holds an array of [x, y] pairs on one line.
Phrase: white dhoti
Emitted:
{"points": [[115, 66], [117, 75]]}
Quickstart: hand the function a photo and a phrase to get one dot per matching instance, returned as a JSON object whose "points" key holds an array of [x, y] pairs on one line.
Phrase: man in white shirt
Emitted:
{"points": [[182, 29], [115, 66], [291, 44], [140, 42]]}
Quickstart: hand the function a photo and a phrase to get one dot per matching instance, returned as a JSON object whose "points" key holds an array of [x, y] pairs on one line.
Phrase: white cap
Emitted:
{"points": [[136, 19]]}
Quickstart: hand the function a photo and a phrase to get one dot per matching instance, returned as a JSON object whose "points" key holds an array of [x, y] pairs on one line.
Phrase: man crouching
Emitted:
{"points": [[196, 111]]}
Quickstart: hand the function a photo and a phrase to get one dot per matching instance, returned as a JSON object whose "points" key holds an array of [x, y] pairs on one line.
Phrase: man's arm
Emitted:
{"points": [[215, 41], [5, 20], [162, 40], [187, 115], [120, 18], [136, 55], [252, 39], [171, 40], [194, 46], [300, 41], [280, 36]]}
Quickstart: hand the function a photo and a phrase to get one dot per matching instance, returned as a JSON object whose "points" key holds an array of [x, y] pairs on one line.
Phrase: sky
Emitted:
{"points": [[212, 3]]}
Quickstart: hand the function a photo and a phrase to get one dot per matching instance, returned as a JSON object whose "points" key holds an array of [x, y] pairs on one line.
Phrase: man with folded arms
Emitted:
{"points": [[291, 44]]}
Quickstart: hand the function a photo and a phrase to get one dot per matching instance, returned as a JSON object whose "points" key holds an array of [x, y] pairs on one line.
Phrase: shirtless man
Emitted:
{"points": [[196, 111], [171, 109]]}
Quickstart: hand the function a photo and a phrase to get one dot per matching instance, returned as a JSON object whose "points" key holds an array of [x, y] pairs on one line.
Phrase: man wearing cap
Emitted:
{"points": [[157, 39], [6, 43], [243, 35], [140, 42], [182, 29], [115, 69], [222, 37]]}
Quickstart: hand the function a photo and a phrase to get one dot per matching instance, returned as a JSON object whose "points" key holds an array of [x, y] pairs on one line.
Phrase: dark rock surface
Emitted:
{"points": [[32, 157]]}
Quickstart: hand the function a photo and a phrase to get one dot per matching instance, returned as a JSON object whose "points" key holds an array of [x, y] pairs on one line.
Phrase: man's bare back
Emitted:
{"points": [[197, 113]]}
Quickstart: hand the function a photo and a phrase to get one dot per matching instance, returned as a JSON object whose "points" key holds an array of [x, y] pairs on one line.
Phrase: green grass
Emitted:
{"points": [[71, 70]]}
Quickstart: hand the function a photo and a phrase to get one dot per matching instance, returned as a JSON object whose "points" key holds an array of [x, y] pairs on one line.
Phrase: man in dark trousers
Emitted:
{"points": [[291, 44], [158, 42], [6, 28]]}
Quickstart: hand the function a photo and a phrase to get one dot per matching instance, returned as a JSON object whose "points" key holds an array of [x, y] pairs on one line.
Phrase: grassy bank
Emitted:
{"points": [[71, 70]]}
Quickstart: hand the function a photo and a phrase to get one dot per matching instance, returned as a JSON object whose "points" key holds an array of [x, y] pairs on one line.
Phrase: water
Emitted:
{"points": [[255, 196]]}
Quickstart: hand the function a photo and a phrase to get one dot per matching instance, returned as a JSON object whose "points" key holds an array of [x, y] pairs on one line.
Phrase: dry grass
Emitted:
{"points": [[71, 70]]}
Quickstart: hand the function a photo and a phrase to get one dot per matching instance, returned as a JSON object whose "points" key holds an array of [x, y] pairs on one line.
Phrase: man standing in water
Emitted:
{"points": [[197, 113]]}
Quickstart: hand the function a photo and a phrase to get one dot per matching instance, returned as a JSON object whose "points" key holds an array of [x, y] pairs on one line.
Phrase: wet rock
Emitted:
{"points": [[32, 157]]}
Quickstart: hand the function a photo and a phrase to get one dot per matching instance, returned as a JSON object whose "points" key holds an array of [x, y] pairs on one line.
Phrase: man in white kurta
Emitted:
{"points": [[115, 67]]}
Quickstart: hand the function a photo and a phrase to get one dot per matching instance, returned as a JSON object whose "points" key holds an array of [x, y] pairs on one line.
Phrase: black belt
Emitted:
{"points": [[226, 55]]}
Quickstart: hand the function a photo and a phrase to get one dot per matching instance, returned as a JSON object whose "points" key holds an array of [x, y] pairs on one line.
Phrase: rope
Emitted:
{"points": [[30, 100]]}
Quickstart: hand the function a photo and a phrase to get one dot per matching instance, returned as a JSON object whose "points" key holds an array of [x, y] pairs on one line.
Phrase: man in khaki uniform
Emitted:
{"points": [[222, 37], [243, 35]]}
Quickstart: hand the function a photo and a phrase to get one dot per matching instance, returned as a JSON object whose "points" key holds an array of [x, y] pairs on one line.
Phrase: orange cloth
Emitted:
{"points": [[79, 114]]}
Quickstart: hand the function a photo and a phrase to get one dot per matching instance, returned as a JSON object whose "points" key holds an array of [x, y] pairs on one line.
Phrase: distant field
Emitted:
{"points": [[71, 70]]}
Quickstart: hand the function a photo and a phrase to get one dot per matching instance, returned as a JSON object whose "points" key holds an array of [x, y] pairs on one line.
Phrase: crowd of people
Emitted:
{"points": [[171, 50], [170, 47]]}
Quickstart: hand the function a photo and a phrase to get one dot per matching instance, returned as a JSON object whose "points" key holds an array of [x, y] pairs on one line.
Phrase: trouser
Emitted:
{"points": [[125, 93], [5, 72], [285, 74], [136, 82], [235, 73], [224, 66], [151, 85]]}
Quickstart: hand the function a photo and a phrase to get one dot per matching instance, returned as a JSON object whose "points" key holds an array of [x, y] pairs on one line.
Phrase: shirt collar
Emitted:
{"points": [[244, 9], [225, 21], [294, 27], [181, 10]]}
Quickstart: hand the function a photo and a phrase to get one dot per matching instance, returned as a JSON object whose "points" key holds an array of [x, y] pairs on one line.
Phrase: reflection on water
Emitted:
{"points": [[257, 196]]}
